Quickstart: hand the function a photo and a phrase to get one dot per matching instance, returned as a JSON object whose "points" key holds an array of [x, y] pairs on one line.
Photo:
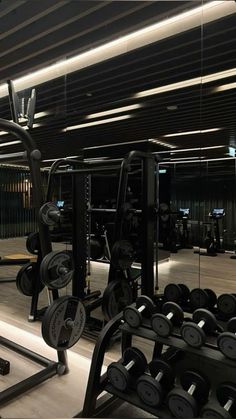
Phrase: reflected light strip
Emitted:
{"points": [[94, 123], [25, 127], [188, 158], [187, 83], [153, 33], [224, 87], [197, 161], [10, 143], [59, 158], [179, 134], [113, 111]]}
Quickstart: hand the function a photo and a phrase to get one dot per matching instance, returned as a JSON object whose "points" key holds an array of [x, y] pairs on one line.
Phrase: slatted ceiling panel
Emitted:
{"points": [[114, 82]]}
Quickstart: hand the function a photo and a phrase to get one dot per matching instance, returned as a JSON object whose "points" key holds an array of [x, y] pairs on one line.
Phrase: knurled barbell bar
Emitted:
{"points": [[144, 308], [194, 333], [121, 373], [185, 402]]}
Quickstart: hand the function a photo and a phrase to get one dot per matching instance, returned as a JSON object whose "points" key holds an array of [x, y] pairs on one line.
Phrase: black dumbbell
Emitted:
{"points": [[121, 373], [172, 315], [226, 395], [152, 388], [194, 333], [226, 304], [184, 402], [178, 293], [144, 308], [202, 298], [226, 341]]}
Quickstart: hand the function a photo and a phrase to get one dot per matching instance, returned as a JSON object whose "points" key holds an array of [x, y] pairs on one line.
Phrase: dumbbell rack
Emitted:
{"points": [[208, 357]]}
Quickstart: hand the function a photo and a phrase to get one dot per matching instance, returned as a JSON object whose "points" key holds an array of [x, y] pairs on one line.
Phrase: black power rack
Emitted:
{"points": [[208, 359]]}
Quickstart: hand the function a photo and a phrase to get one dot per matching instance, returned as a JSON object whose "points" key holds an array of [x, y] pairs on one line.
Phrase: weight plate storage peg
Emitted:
{"points": [[49, 214], [122, 255], [178, 293], [185, 402], [172, 315], [120, 374], [26, 277], [226, 304], [63, 323], [202, 298], [144, 308], [226, 409], [33, 243], [57, 269], [194, 333], [152, 388], [117, 295], [227, 340]]}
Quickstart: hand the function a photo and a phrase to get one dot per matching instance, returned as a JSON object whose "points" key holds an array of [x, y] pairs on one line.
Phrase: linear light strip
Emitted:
{"points": [[179, 134], [99, 122], [152, 33], [25, 127], [196, 161], [114, 111], [224, 87]]}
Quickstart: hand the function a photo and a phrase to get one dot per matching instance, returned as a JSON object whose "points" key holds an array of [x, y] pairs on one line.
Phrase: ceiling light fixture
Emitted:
{"points": [[156, 141], [203, 131], [224, 87], [153, 33], [25, 127], [100, 122], [187, 83], [113, 111]]}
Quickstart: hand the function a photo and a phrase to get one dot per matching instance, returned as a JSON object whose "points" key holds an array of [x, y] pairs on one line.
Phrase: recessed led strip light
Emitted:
{"points": [[224, 87], [153, 33], [8, 133], [187, 83], [156, 141], [203, 131], [114, 111], [197, 160], [99, 122]]}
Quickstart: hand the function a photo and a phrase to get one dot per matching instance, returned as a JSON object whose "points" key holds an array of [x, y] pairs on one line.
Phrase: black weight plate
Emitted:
{"points": [[122, 254], [149, 390], [185, 292], [212, 297], [193, 335], [178, 314], [157, 365], [226, 303], [117, 295], [52, 266], [63, 322], [172, 292], [227, 344], [44, 212], [161, 325], [227, 391], [132, 316], [231, 326], [147, 301], [181, 404], [209, 318], [96, 249], [33, 243], [134, 354], [118, 376], [198, 298], [26, 277], [215, 411]]}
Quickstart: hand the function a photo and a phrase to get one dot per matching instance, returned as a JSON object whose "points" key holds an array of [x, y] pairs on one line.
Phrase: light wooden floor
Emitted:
{"points": [[63, 396]]}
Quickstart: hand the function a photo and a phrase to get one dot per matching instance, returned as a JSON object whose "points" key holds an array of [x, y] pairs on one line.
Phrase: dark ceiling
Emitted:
{"points": [[35, 34]]}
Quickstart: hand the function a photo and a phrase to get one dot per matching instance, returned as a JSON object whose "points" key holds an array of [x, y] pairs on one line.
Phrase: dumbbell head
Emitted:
{"points": [[193, 334], [133, 316], [201, 298], [227, 341], [117, 373], [176, 292], [226, 392], [182, 403], [161, 324], [215, 411], [151, 389], [226, 304]]}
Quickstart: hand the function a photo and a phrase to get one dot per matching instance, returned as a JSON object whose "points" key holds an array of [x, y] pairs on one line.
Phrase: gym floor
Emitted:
{"points": [[185, 266]]}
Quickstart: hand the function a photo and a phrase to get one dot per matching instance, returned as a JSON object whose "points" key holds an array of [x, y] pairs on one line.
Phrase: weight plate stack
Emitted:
{"points": [[26, 277]]}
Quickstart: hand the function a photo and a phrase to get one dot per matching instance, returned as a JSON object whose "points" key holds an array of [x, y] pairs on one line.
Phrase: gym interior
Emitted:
{"points": [[117, 209]]}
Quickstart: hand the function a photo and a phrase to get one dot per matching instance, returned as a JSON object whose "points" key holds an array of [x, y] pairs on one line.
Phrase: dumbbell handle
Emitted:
{"points": [[228, 405], [141, 308], [201, 323], [159, 376], [191, 389], [129, 365], [170, 315]]}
